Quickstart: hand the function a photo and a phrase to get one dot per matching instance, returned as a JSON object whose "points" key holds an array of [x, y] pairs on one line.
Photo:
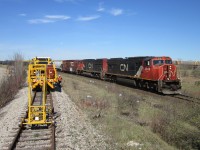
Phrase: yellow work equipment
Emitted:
{"points": [[41, 75], [35, 70]]}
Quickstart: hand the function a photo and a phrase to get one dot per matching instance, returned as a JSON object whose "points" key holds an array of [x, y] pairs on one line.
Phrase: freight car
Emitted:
{"points": [[152, 73], [72, 66]]}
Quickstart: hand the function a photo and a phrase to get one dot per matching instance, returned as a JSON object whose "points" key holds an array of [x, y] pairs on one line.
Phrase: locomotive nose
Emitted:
{"points": [[167, 72]]}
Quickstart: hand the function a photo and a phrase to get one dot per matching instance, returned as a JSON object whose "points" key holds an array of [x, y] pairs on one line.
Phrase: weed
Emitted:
{"points": [[11, 83], [196, 73], [197, 83]]}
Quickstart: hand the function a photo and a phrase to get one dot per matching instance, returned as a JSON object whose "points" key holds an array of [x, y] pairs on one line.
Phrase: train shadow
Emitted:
{"points": [[58, 87]]}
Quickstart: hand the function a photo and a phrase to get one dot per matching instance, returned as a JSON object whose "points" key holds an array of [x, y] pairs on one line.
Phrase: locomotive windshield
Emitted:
{"points": [[161, 62], [168, 61], [158, 62]]}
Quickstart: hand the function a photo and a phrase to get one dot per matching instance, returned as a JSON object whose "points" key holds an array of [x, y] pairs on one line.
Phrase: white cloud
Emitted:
{"points": [[49, 19], [88, 18], [116, 12], [23, 15], [101, 8], [57, 17], [40, 21]]}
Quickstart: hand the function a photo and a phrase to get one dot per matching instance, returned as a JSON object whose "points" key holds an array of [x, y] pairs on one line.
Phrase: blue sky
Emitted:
{"points": [[79, 29]]}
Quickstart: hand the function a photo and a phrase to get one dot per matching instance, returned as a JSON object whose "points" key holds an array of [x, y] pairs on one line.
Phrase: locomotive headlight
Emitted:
{"points": [[170, 67]]}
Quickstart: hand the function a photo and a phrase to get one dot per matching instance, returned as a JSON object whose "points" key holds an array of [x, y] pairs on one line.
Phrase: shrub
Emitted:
{"points": [[183, 136], [11, 83], [196, 73], [128, 105], [185, 73], [180, 130]]}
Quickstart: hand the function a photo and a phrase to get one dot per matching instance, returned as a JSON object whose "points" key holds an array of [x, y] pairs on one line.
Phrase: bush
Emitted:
{"points": [[185, 73], [196, 73], [180, 130], [11, 83], [128, 105], [197, 83], [183, 136]]}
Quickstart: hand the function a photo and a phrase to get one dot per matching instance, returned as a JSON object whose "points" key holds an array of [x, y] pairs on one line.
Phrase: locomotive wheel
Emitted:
{"points": [[140, 85], [147, 85], [156, 88]]}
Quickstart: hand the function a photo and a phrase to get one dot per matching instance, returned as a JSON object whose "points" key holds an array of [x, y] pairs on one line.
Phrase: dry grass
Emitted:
{"points": [[126, 114], [118, 113], [190, 77], [11, 83]]}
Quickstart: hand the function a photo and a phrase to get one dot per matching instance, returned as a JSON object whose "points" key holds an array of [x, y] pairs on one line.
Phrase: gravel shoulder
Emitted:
{"points": [[10, 113], [74, 130]]}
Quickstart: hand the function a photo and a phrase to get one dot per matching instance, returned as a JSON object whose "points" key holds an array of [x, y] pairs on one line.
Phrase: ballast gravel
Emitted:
{"points": [[10, 113], [74, 131]]}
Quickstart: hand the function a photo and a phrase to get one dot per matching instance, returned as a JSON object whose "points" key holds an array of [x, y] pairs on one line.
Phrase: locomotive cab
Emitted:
{"points": [[163, 73]]}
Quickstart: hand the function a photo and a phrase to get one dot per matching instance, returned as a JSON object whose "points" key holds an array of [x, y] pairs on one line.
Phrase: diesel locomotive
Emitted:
{"points": [[149, 72]]}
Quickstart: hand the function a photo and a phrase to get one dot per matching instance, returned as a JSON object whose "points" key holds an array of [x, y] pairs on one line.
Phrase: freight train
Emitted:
{"points": [[149, 72]]}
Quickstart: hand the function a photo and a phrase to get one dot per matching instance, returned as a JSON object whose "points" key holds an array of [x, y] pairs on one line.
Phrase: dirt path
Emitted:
{"points": [[10, 113], [73, 130]]}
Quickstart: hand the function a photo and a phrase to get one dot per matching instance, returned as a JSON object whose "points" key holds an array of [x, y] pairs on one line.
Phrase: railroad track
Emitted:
{"points": [[187, 98], [26, 137], [180, 96]]}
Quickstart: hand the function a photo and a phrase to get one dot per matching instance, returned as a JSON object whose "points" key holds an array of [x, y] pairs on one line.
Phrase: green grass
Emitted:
{"points": [[123, 131], [190, 80], [129, 115], [121, 128]]}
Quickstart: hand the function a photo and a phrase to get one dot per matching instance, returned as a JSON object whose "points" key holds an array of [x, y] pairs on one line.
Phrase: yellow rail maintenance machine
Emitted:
{"points": [[42, 76]]}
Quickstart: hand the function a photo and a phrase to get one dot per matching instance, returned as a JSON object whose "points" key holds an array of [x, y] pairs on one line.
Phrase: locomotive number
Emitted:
{"points": [[124, 67]]}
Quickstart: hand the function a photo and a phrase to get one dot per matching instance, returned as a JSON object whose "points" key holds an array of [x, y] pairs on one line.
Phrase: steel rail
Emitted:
{"points": [[187, 98], [52, 145]]}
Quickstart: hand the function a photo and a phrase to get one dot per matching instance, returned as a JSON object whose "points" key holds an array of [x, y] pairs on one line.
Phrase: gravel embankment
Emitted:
{"points": [[10, 113], [74, 130]]}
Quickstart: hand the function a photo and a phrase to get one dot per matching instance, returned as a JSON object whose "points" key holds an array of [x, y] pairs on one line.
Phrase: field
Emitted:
{"points": [[136, 119], [127, 118], [190, 79]]}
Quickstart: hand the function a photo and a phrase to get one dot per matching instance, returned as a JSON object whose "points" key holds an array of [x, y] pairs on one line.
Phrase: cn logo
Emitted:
{"points": [[90, 66], [124, 67]]}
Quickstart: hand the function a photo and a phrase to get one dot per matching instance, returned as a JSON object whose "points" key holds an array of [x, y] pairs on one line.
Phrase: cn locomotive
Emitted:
{"points": [[149, 72]]}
